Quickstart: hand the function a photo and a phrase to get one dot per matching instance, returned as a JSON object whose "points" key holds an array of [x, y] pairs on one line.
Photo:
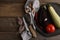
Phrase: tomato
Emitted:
{"points": [[50, 28]]}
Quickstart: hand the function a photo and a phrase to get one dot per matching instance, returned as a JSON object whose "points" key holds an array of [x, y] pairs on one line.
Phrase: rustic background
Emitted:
{"points": [[13, 8], [16, 7]]}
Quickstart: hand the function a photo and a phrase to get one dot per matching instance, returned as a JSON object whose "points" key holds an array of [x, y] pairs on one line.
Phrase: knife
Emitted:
{"points": [[28, 25]]}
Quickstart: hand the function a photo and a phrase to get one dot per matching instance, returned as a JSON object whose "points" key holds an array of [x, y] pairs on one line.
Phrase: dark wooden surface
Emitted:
{"points": [[11, 7], [16, 8]]}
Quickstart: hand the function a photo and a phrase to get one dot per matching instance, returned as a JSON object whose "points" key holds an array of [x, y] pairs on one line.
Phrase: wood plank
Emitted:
{"points": [[12, 1], [9, 36], [47, 1], [8, 24], [14, 9]]}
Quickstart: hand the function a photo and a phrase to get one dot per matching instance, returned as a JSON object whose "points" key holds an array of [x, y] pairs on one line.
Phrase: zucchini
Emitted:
{"points": [[55, 16]]}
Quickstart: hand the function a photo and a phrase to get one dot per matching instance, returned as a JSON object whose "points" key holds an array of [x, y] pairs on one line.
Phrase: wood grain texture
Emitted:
{"points": [[9, 36], [47, 1], [16, 7], [12, 7], [8, 24], [12, 1]]}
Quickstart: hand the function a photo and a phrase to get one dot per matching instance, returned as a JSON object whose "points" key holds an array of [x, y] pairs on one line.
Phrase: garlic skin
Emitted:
{"points": [[36, 5]]}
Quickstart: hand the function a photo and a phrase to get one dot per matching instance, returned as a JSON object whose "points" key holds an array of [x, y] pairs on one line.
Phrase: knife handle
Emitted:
{"points": [[33, 32]]}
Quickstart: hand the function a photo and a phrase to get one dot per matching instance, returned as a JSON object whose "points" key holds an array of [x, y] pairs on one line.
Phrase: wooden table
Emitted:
{"points": [[16, 8]]}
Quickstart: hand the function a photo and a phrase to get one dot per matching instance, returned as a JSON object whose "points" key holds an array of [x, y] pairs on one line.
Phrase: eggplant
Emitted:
{"points": [[43, 16]]}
